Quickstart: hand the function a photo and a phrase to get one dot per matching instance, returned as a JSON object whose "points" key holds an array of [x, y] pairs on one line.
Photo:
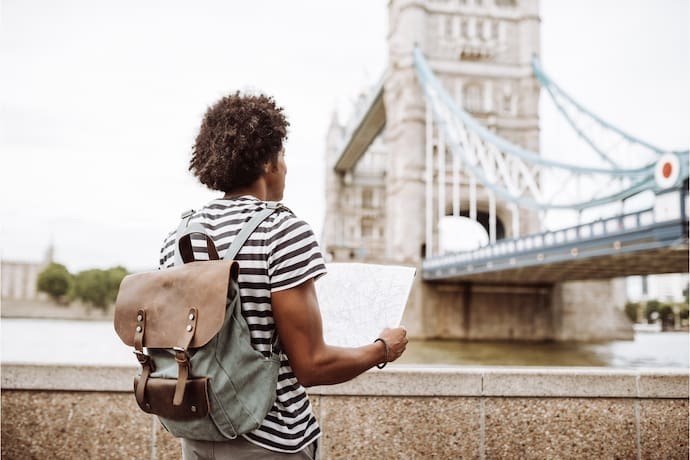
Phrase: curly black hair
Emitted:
{"points": [[238, 136]]}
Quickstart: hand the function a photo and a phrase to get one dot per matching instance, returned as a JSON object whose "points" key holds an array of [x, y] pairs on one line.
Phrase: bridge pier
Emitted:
{"points": [[590, 310], [577, 311]]}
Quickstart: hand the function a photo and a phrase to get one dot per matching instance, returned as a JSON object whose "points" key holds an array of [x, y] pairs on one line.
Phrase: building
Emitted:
{"points": [[669, 287], [19, 278]]}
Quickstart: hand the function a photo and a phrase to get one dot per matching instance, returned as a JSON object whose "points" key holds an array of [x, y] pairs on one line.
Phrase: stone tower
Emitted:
{"points": [[481, 51]]}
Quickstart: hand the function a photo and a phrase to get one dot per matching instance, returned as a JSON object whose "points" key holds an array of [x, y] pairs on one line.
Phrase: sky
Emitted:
{"points": [[100, 102]]}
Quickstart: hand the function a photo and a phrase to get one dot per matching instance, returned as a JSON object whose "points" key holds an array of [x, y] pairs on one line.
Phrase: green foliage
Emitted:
{"points": [[56, 281], [98, 287], [651, 307], [666, 313], [684, 312], [631, 310]]}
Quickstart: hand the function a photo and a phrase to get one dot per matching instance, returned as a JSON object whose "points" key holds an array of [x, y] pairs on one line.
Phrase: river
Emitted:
{"points": [[95, 343]]}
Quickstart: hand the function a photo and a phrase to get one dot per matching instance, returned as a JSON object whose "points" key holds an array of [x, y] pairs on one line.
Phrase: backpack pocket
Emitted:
{"points": [[158, 398]]}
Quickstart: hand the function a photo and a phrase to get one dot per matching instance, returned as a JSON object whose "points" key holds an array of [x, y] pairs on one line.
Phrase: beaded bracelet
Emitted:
{"points": [[381, 366]]}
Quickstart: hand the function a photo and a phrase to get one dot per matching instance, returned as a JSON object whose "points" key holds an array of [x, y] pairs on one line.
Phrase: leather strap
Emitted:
{"points": [[182, 357], [183, 250], [143, 358]]}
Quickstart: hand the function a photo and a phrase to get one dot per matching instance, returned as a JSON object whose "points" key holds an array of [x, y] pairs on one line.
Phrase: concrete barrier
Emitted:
{"points": [[398, 413]]}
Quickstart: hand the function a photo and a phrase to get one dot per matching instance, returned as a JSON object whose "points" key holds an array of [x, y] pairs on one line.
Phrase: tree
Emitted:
{"points": [[667, 315], [99, 287], [631, 310], [114, 275], [56, 281], [90, 286], [651, 307]]}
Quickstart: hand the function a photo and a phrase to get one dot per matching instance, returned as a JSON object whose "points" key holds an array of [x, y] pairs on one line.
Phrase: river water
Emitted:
{"points": [[95, 343]]}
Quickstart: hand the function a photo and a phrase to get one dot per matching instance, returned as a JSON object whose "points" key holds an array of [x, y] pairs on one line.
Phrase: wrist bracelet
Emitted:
{"points": [[381, 366]]}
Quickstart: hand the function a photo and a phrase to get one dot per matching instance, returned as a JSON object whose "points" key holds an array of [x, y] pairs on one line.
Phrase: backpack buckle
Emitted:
{"points": [[181, 355], [144, 359]]}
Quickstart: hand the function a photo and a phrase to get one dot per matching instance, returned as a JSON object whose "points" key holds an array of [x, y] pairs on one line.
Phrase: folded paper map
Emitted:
{"points": [[357, 301]]}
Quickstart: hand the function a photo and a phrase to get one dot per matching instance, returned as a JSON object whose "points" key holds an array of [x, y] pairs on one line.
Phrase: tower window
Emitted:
{"points": [[367, 198], [472, 98]]}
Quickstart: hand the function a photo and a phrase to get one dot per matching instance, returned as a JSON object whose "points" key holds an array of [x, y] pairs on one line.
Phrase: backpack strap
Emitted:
{"points": [[243, 235], [249, 227], [187, 228], [183, 242]]}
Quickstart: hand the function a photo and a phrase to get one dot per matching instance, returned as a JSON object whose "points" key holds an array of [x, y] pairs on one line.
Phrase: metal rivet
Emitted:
{"points": [[138, 328], [191, 316], [148, 406], [193, 408], [189, 328], [139, 317]]}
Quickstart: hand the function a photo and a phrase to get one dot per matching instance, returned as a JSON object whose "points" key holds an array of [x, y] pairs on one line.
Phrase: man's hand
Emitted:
{"points": [[396, 340]]}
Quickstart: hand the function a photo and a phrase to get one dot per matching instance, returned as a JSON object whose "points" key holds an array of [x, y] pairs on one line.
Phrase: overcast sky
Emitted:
{"points": [[101, 101]]}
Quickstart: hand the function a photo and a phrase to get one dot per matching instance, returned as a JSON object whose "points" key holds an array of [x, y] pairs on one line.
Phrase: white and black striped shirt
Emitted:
{"points": [[281, 253]]}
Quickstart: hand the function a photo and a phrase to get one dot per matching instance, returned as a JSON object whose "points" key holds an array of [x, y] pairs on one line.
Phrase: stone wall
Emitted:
{"points": [[400, 412]]}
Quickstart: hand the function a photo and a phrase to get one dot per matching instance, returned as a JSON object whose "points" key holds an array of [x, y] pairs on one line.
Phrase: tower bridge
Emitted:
{"points": [[451, 133]]}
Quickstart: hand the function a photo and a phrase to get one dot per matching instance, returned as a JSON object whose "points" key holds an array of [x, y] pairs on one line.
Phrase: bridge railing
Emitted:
{"points": [[507, 250]]}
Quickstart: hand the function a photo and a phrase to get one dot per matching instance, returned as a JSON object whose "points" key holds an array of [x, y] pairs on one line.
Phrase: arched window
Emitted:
{"points": [[507, 103], [449, 26], [479, 29], [494, 29], [367, 198], [472, 97], [464, 28], [367, 228]]}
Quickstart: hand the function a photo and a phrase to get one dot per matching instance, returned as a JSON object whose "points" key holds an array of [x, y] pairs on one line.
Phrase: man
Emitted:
{"points": [[239, 151]]}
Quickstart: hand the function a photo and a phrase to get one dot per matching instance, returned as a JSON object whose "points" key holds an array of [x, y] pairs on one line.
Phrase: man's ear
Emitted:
{"points": [[270, 166]]}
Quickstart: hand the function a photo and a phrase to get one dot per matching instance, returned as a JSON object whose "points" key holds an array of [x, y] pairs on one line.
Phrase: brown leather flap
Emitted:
{"points": [[167, 295], [158, 398]]}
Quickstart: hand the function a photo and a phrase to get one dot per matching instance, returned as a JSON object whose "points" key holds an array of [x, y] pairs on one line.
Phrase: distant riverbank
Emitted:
{"points": [[65, 341], [48, 310]]}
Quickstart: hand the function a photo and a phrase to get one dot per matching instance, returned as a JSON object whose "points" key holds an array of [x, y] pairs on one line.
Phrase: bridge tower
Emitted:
{"points": [[481, 52], [376, 181]]}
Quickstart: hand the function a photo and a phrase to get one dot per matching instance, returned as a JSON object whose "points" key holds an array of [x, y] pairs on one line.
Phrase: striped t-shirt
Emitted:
{"points": [[281, 253]]}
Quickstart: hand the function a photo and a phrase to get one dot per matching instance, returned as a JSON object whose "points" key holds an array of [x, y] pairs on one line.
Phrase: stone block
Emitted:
{"points": [[578, 382], [559, 428], [399, 428], [659, 384], [409, 381], [664, 429], [73, 425]]}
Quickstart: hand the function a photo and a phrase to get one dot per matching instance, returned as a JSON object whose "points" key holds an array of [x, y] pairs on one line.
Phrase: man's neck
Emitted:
{"points": [[257, 189]]}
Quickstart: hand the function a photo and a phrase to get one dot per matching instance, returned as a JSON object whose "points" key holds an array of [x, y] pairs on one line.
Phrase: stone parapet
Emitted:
{"points": [[400, 412]]}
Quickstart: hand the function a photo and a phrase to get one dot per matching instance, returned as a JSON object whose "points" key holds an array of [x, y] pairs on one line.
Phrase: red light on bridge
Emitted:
{"points": [[667, 171]]}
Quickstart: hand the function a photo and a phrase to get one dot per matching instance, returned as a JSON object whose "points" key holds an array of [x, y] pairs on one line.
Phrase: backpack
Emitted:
{"points": [[199, 372]]}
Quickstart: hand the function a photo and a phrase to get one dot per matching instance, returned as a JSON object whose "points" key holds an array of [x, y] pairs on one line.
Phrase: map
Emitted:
{"points": [[358, 301]]}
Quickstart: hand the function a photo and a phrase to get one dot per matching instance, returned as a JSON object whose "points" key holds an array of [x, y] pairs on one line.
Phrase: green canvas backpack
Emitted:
{"points": [[199, 372]]}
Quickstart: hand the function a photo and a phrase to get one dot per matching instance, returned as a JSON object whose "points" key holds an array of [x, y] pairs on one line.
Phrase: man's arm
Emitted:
{"points": [[298, 320]]}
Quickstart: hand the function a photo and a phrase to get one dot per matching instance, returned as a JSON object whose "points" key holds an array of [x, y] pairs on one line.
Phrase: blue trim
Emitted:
{"points": [[547, 82], [642, 178], [427, 77]]}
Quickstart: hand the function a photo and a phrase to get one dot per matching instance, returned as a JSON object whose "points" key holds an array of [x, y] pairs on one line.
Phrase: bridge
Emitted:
{"points": [[457, 150]]}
